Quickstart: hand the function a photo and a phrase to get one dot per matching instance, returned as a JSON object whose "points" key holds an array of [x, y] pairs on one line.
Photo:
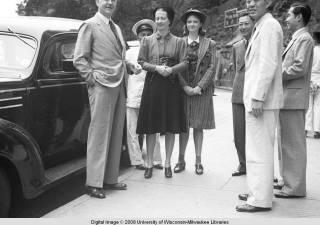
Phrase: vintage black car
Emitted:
{"points": [[44, 111]]}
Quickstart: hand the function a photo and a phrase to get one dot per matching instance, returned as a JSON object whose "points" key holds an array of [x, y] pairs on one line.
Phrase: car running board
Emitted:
{"points": [[57, 174]]}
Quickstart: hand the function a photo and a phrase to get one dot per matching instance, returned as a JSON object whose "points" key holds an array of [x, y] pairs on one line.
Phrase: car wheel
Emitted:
{"points": [[5, 194]]}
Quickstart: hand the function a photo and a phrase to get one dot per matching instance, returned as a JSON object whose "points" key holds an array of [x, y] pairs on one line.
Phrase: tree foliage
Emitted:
{"points": [[130, 11]]}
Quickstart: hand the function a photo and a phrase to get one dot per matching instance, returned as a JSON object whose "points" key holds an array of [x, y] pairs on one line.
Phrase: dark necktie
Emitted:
{"points": [[115, 33], [246, 42]]}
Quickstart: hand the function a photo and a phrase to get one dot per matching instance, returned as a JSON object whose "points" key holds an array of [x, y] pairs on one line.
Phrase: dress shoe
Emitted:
{"points": [[158, 166], [243, 197], [284, 195], [316, 135], [168, 172], [179, 167], [251, 208], [140, 167], [199, 169], [116, 186], [238, 173], [148, 173], [275, 180], [95, 192]]}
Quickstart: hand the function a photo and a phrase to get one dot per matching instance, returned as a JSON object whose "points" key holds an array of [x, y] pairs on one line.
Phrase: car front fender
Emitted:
{"points": [[19, 148]]}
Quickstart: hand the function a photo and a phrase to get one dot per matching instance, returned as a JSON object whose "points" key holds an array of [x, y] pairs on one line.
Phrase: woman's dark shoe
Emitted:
{"points": [[316, 135], [95, 192], [148, 173], [168, 172], [180, 166], [199, 169]]}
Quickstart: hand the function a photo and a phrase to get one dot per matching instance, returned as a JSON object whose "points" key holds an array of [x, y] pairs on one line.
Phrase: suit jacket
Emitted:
{"points": [[205, 69], [238, 53], [263, 71], [297, 65], [98, 55]]}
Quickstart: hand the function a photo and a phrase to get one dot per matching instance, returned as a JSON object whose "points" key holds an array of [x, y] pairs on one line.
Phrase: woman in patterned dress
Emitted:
{"points": [[198, 86], [162, 104]]}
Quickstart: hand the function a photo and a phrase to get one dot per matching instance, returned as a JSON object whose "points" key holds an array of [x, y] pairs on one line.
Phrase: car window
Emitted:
{"points": [[16, 52], [59, 56]]}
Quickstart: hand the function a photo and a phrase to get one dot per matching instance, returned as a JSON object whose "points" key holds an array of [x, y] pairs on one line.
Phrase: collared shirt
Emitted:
{"points": [[104, 19], [259, 23], [298, 32], [190, 40]]}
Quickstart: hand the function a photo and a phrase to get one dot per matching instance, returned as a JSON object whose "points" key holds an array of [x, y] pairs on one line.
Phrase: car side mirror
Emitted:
{"points": [[67, 65]]}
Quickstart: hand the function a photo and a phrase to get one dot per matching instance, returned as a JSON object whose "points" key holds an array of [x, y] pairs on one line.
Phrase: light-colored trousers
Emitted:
{"points": [[293, 151], [313, 113], [260, 141], [108, 110], [135, 153]]}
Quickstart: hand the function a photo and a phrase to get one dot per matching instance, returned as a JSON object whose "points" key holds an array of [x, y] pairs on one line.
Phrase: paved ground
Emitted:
{"points": [[187, 195]]}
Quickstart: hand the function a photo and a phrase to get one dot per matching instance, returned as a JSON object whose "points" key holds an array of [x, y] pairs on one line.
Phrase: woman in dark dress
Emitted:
{"points": [[198, 86], [162, 108]]}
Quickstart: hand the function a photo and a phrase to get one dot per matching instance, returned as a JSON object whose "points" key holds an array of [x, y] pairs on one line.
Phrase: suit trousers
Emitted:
{"points": [[108, 109], [293, 151], [313, 113], [239, 131], [260, 141], [135, 153]]}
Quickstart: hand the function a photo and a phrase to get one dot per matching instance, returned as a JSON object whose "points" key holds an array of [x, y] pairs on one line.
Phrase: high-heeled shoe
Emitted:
{"points": [[148, 173], [180, 166], [168, 172], [199, 169]]}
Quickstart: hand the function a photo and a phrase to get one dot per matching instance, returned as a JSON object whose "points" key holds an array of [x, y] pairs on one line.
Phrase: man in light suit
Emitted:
{"points": [[238, 110], [263, 97], [297, 64], [100, 58]]}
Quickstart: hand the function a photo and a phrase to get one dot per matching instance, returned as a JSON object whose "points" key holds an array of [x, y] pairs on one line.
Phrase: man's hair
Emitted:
{"points": [[245, 13], [303, 9], [271, 5]]}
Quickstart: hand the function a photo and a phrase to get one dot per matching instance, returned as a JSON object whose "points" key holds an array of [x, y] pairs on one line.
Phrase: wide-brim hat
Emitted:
{"points": [[145, 24], [196, 12]]}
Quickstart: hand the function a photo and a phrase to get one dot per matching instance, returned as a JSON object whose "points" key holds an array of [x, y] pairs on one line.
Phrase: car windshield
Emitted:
{"points": [[16, 52]]}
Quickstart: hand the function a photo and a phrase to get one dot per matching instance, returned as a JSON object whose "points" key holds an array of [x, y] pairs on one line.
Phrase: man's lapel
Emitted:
{"points": [[103, 27], [288, 47], [240, 57], [254, 36], [121, 40]]}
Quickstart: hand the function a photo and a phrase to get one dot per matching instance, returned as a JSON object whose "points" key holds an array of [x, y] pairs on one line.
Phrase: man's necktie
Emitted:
{"points": [[246, 43], [115, 33]]}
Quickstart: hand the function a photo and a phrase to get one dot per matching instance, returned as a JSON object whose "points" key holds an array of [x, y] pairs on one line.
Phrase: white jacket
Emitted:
{"points": [[263, 61], [135, 82]]}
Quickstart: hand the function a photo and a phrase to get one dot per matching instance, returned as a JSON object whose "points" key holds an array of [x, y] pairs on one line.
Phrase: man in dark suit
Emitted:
{"points": [[238, 110], [100, 58], [297, 64]]}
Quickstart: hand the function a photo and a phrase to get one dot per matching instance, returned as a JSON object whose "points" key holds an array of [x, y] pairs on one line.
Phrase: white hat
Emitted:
{"points": [[145, 24]]}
